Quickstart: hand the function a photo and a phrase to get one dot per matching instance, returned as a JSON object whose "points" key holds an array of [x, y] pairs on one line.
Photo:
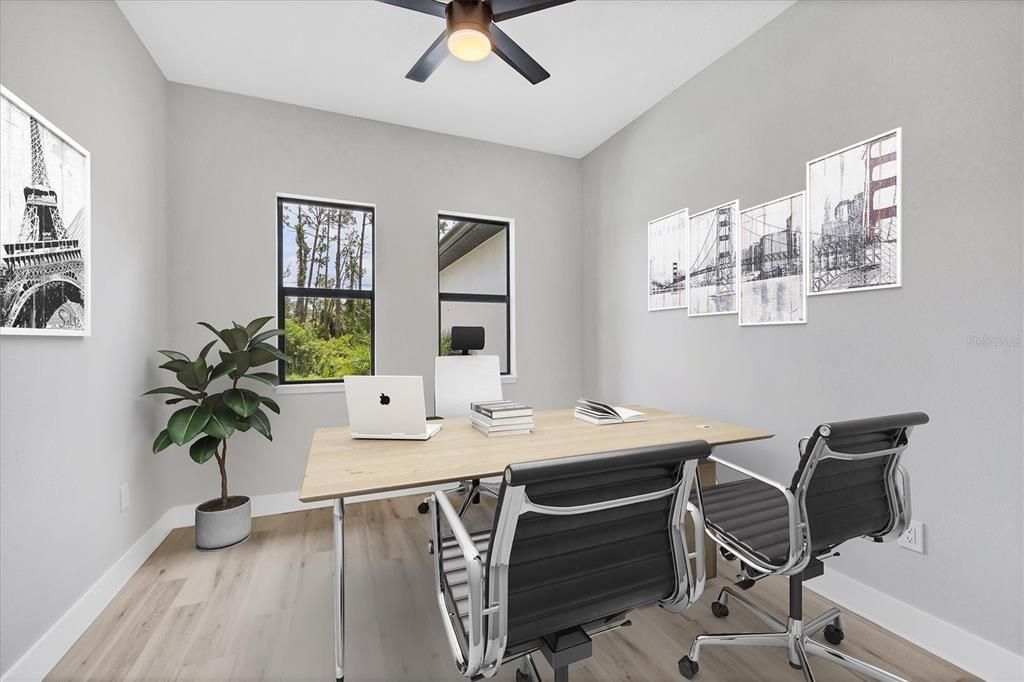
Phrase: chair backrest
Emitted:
{"points": [[581, 540], [462, 379], [850, 481]]}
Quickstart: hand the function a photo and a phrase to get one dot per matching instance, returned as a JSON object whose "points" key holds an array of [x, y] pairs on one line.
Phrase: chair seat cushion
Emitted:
{"points": [[752, 513]]}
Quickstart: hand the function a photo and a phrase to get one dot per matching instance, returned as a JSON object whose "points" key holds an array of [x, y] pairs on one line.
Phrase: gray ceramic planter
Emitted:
{"points": [[217, 528]]}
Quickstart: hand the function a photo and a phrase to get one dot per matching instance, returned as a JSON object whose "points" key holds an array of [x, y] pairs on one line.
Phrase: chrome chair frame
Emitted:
{"points": [[795, 635], [484, 651]]}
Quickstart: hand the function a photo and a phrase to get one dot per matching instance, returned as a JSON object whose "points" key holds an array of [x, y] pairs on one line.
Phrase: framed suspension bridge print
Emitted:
{"points": [[711, 277], [853, 217], [44, 226], [772, 287], [666, 262]]}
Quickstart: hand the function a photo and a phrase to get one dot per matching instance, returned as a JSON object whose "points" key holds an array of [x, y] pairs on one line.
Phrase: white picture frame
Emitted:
{"points": [[773, 267], [666, 260], [835, 261], [45, 240], [711, 285]]}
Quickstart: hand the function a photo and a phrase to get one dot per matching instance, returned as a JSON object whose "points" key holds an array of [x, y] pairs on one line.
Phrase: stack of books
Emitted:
{"points": [[593, 412], [501, 418]]}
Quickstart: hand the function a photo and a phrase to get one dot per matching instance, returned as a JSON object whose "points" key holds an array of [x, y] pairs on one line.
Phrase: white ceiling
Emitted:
{"points": [[610, 60]]}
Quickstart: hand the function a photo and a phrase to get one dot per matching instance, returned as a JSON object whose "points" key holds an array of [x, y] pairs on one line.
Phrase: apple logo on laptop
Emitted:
{"points": [[385, 399]]}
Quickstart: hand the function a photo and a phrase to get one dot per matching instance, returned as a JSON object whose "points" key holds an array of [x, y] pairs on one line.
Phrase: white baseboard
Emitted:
{"points": [[972, 653], [37, 662], [48, 649]]}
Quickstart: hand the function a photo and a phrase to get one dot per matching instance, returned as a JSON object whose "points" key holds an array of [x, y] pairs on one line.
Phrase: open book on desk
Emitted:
{"points": [[599, 413]]}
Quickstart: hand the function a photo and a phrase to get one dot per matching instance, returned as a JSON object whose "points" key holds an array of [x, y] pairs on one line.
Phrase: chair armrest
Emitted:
{"points": [[469, 665], [799, 542]]}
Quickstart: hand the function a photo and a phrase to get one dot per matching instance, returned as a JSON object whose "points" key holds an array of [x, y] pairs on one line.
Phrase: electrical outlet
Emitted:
{"points": [[126, 497], [913, 537]]}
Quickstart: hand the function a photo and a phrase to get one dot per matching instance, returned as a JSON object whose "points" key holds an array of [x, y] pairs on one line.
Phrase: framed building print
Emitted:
{"points": [[772, 286], [853, 217], [44, 226]]}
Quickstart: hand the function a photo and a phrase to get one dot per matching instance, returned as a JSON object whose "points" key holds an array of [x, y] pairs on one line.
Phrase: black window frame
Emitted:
{"points": [[284, 292], [480, 298]]}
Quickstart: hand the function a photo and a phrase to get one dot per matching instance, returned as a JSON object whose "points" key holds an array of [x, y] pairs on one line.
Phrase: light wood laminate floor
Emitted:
{"points": [[262, 611]]}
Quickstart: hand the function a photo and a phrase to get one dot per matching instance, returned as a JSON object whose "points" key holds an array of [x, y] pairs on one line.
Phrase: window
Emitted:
{"points": [[475, 282], [325, 289]]}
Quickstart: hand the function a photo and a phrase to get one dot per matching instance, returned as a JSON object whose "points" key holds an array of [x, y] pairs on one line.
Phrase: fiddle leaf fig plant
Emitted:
{"points": [[210, 417]]}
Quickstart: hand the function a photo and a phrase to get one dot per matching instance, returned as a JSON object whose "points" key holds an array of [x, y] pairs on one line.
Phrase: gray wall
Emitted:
{"points": [[819, 77], [232, 154], [72, 428]]}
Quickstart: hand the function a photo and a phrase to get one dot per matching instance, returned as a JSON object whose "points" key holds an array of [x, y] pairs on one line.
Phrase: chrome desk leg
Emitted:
{"points": [[339, 589]]}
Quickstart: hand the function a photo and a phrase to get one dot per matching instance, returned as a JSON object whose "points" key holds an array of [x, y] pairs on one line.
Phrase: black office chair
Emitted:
{"points": [[575, 544], [849, 483]]}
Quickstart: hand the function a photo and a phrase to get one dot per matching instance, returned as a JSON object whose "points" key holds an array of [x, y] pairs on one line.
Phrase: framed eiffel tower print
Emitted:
{"points": [[44, 226]]}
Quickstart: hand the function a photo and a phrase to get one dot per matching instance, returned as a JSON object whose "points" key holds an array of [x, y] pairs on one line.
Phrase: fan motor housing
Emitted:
{"points": [[469, 14]]}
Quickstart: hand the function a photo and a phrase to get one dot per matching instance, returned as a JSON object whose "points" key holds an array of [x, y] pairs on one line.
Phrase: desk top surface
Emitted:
{"points": [[340, 466]]}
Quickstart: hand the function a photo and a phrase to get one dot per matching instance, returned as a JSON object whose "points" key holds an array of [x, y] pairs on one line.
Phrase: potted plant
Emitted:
{"points": [[213, 416]]}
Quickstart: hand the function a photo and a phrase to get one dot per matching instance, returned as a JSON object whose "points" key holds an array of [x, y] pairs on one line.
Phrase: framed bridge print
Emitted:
{"points": [[666, 262], [711, 282], [44, 226], [853, 217]]}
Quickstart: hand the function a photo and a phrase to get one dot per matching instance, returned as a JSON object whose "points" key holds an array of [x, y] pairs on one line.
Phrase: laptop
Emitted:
{"points": [[387, 407]]}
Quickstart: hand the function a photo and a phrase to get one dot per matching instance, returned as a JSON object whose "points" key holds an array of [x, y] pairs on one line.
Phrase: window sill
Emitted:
{"points": [[299, 389]]}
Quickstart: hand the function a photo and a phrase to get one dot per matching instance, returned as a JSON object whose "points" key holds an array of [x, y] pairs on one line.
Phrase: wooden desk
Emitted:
{"points": [[340, 467]]}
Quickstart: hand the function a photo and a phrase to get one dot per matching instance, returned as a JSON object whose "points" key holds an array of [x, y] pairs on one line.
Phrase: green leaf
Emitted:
{"points": [[203, 449], [206, 349], [242, 402], [271, 404], [174, 401], [175, 355], [173, 390], [242, 361], [268, 378], [221, 424], [235, 338], [261, 423], [241, 424], [257, 324], [194, 375], [173, 365], [273, 350], [259, 357], [187, 423], [221, 369], [162, 441], [266, 335]]}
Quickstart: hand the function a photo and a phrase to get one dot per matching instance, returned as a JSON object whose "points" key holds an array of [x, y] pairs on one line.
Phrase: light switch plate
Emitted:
{"points": [[126, 497]]}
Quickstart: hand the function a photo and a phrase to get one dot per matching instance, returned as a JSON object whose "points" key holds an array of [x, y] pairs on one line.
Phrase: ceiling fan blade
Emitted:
{"points": [[510, 9], [431, 7], [516, 57], [430, 60]]}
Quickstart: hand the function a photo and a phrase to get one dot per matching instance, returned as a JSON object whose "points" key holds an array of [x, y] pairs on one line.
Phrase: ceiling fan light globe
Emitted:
{"points": [[469, 44]]}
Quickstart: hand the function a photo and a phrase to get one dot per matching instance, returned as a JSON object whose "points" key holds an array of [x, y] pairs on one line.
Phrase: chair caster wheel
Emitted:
{"points": [[834, 635], [523, 677], [719, 610], [430, 546], [688, 668], [423, 508]]}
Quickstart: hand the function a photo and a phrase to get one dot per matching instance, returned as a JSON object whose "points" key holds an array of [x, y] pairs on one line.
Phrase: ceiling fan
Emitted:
{"points": [[472, 33]]}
